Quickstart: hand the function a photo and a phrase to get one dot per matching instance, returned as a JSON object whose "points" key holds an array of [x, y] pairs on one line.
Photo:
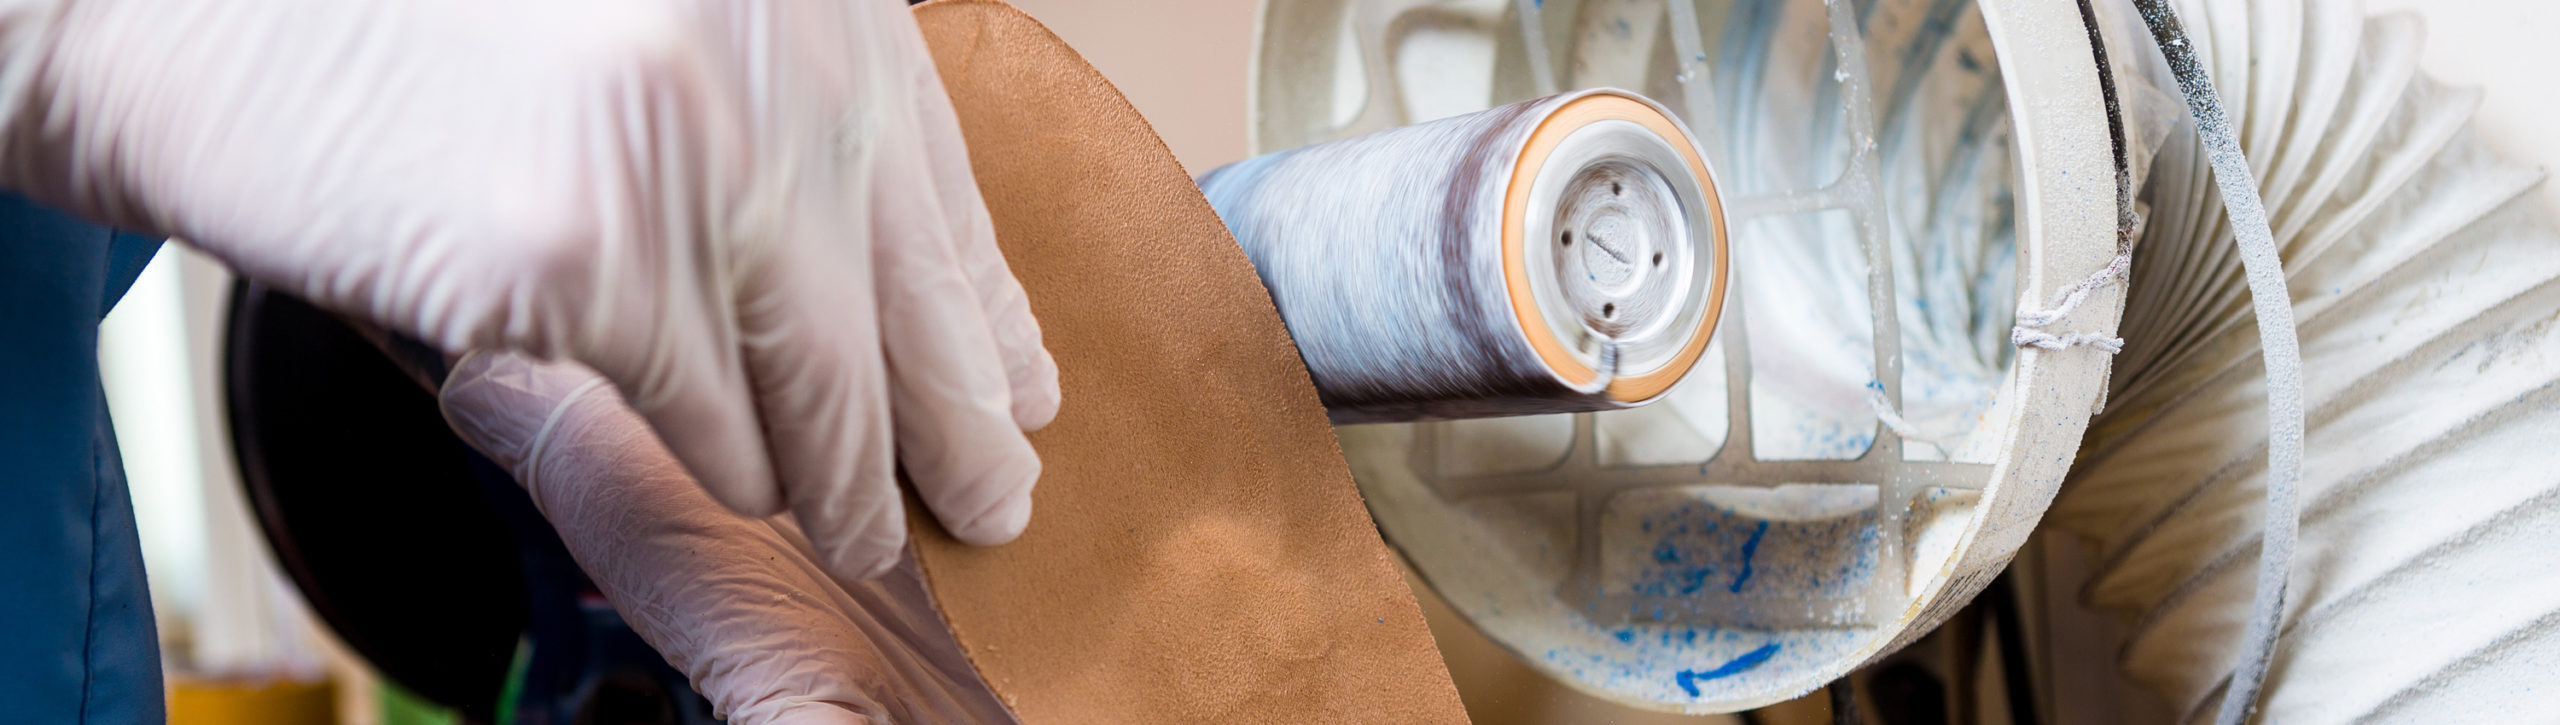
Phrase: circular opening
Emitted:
{"points": [[1568, 239]]}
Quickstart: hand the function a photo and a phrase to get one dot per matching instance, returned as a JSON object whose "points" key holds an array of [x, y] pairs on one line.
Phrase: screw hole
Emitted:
{"points": [[1615, 190], [1657, 259], [1609, 310], [1568, 239]]}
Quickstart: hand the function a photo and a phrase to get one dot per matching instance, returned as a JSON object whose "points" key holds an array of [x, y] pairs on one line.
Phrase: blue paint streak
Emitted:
{"points": [[1689, 679], [1695, 579], [1749, 548]]}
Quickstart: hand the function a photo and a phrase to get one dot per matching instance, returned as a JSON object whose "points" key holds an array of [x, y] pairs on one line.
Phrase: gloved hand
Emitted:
{"points": [[735, 603], [754, 216]]}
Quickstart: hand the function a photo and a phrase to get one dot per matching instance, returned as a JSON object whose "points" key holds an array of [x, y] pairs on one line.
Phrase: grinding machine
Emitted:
{"points": [[1696, 353]]}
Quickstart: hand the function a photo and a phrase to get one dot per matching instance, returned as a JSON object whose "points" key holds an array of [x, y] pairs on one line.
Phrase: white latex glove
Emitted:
{"points": [[737, 604], [755, 217]]}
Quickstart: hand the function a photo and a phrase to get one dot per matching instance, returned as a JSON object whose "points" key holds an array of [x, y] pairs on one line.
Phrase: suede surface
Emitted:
{"points": [[1197, 550]]}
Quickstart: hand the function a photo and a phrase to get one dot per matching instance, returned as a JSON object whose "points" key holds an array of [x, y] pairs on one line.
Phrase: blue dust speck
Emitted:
{"points": [[1689, 679], [1627, 636]]}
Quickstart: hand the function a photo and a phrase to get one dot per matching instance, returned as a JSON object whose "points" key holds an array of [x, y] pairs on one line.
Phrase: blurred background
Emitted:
{"points": [[234, 630]]}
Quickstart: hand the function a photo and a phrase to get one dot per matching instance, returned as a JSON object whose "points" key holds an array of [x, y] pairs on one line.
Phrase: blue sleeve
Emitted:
{"points": [[76, 637]]}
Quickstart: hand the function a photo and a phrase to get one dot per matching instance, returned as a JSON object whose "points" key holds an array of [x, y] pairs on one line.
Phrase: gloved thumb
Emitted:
{"points": [[508, 406]]}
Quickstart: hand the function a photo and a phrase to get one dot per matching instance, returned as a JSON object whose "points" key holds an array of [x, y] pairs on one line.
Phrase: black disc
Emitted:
{"points": [[370, 502]]}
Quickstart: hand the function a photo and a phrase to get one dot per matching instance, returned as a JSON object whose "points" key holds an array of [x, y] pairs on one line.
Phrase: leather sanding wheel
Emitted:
{"points": [[1199, 552]]}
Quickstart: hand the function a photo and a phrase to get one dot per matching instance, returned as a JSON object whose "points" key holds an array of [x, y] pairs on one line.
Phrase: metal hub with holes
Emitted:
{"points": [[1614, 266]]}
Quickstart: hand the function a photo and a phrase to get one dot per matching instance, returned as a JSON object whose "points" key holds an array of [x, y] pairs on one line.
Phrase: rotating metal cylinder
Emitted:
{"points": [[1564, 254]]}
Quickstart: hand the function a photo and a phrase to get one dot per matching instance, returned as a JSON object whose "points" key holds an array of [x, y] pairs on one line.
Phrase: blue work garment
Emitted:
{"points": [[76, 639]]}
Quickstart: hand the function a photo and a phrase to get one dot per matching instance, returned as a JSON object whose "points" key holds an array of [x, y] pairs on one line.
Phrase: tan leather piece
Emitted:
{"points": [[1197, 550]]}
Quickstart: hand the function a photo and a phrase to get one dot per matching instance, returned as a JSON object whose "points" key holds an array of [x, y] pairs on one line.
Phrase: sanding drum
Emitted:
{"points": [[1565, 254]]}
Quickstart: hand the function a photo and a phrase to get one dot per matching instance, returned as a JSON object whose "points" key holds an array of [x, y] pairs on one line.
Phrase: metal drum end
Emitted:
{"points": [[1620, 239]]}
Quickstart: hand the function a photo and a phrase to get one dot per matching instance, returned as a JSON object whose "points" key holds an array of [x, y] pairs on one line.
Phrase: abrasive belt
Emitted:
{"points": [[1197, 550]]}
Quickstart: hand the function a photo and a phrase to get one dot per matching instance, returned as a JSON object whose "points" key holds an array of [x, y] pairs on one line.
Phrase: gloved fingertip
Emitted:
{"points": [[1036, 399], [720, 441], [858, 564], [1000, 523], [861, 547], [750, 498]]}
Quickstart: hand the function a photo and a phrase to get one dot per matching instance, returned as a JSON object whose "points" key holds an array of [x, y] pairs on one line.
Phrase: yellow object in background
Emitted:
{"points": [[252, 702]]}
